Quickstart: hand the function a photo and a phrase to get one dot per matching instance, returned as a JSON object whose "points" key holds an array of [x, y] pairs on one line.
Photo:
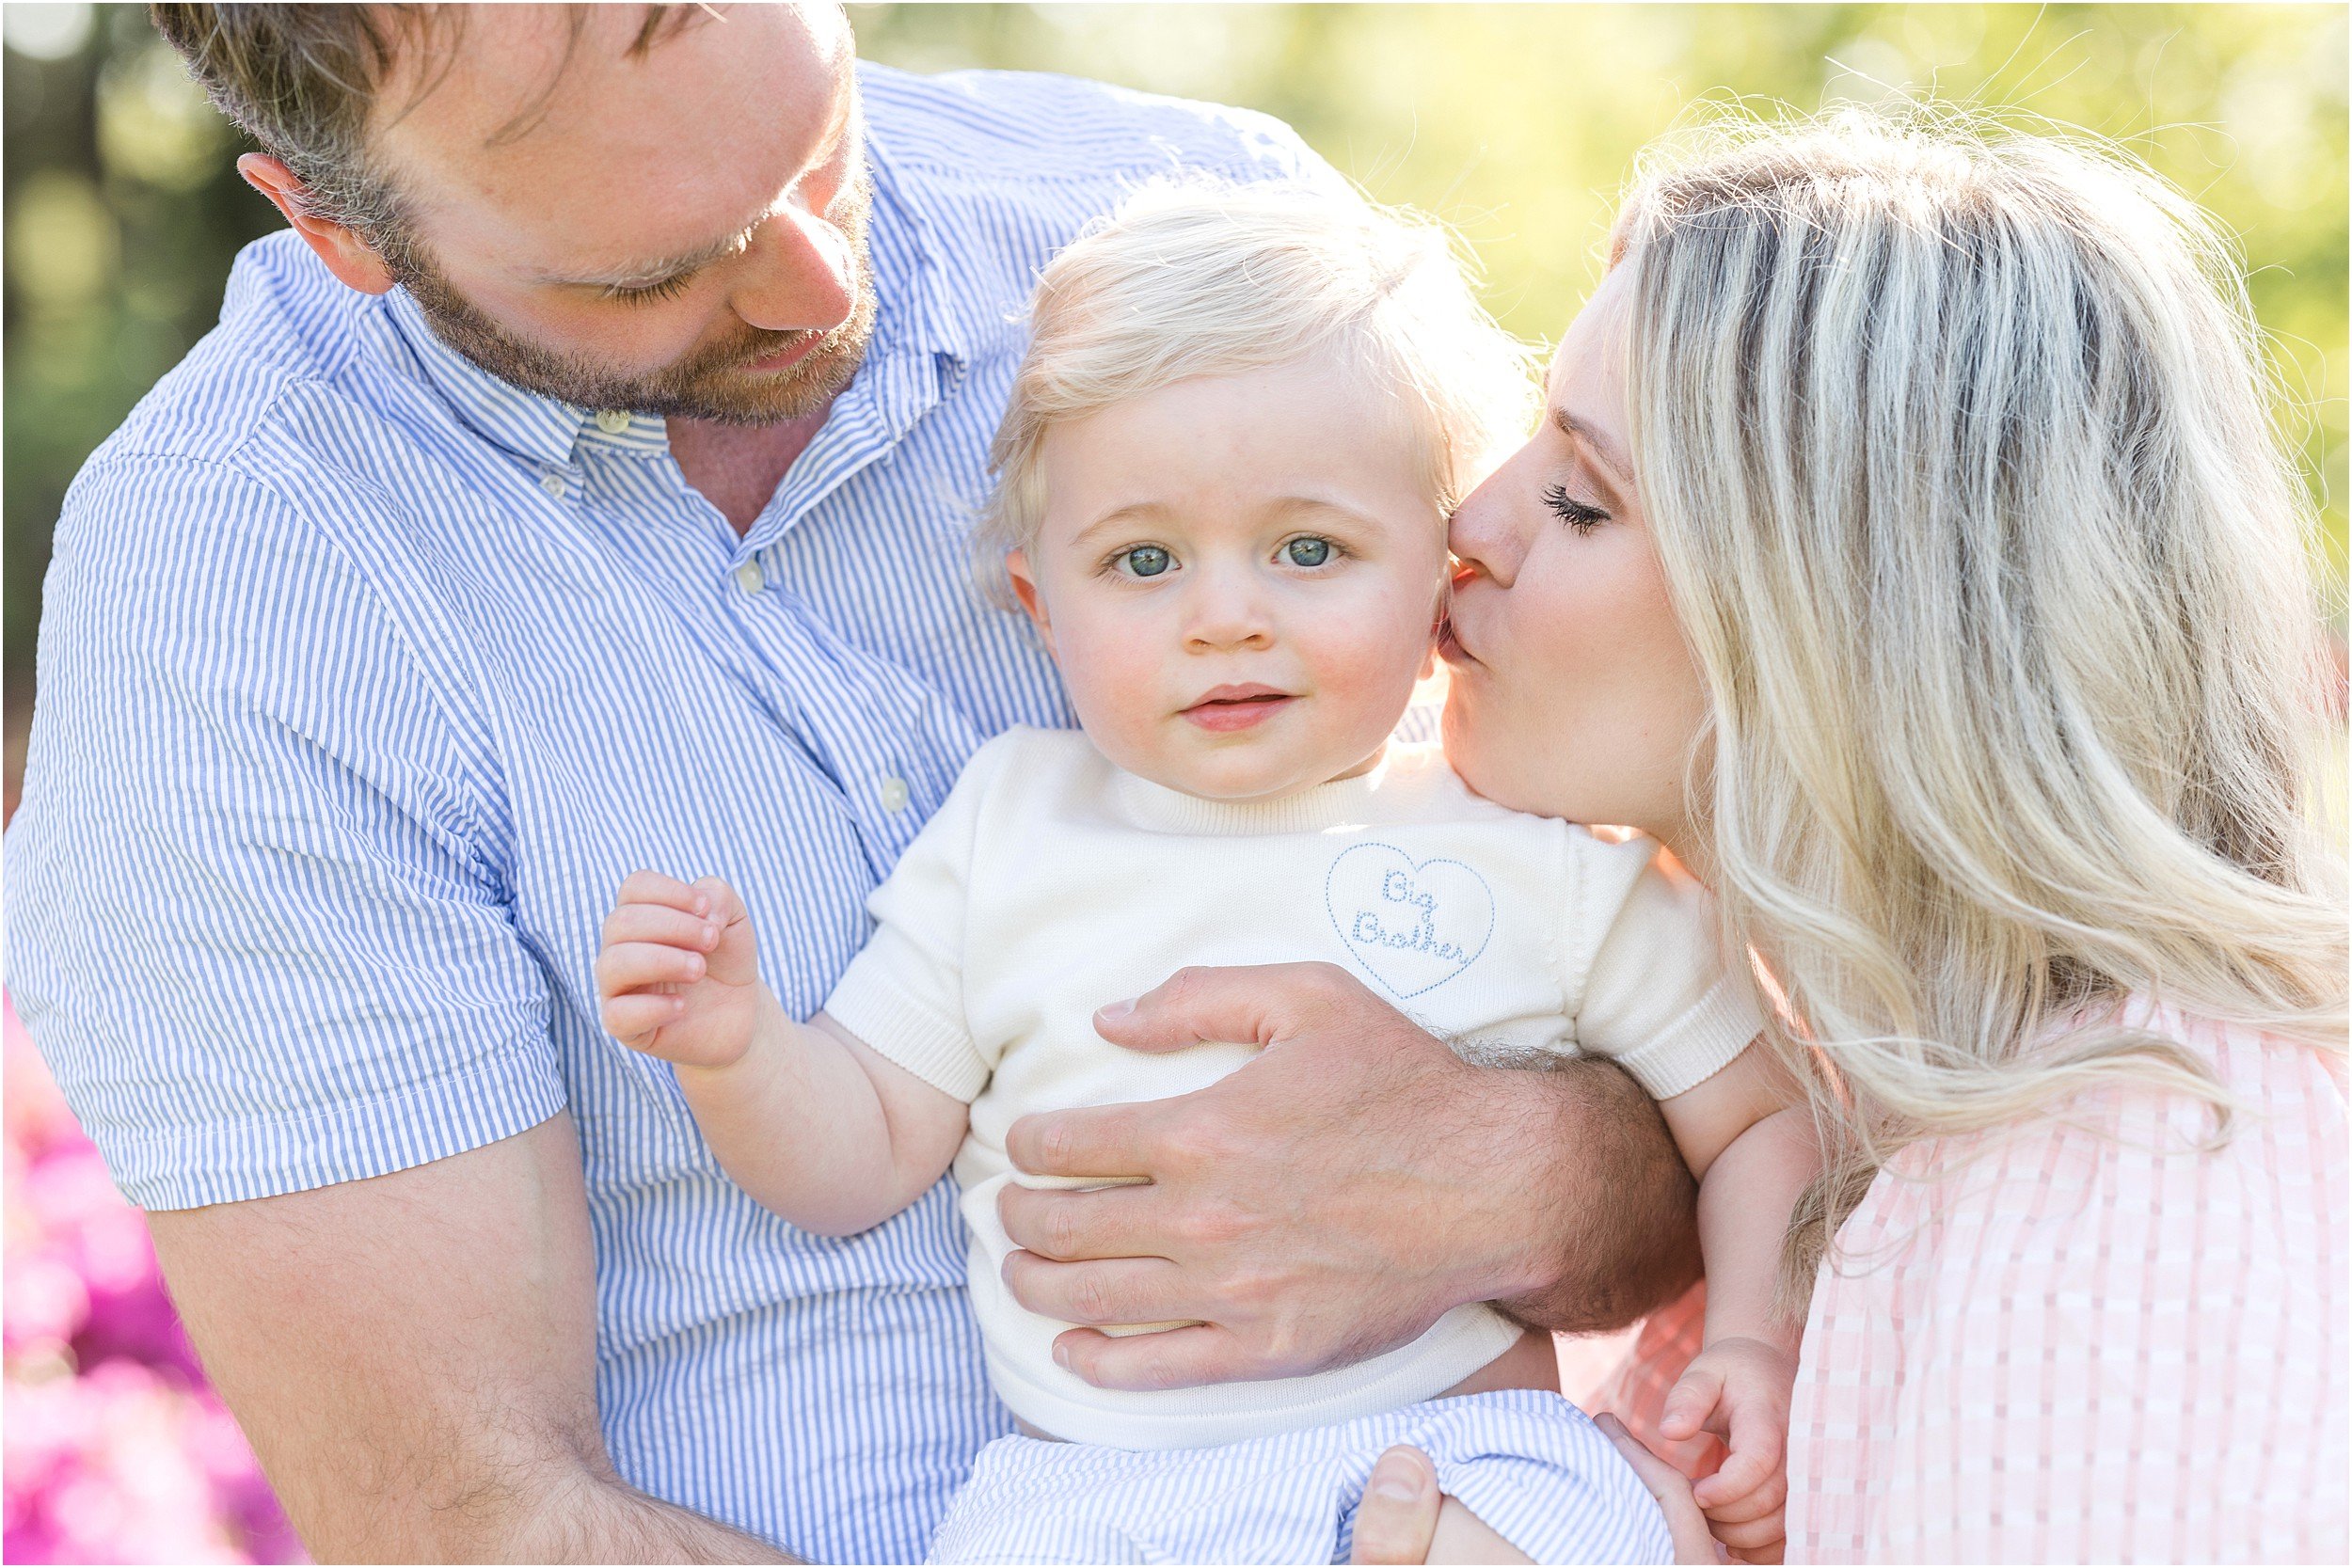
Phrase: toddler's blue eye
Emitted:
{"points": [[1147, 561], [1308, 551]]}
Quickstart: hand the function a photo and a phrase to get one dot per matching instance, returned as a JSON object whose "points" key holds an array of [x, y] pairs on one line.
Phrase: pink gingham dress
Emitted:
{"points": [[2070, 1342]]}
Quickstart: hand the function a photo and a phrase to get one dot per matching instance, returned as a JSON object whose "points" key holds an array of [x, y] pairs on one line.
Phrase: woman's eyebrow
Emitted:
{"points": [[1599, 446]]}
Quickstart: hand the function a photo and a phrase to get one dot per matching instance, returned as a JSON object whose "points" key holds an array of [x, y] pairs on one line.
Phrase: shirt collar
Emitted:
{"points": [[539, 428], [917, 307]]}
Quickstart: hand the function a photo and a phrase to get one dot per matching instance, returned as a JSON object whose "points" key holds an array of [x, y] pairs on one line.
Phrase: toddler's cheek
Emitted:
{"points": [[1366, 681], [1109, 712]]}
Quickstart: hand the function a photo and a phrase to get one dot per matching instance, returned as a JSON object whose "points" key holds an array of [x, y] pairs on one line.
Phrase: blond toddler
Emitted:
{"points": [[1225, 473]]}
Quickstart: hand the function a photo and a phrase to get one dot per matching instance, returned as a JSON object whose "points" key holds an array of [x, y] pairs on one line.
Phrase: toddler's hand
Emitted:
{"points": [[1738, 1389], [679, 973]]}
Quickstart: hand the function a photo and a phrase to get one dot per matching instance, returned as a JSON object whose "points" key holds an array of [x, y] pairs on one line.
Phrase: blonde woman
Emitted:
{"points": [[1909, 548], [1906, 546]]}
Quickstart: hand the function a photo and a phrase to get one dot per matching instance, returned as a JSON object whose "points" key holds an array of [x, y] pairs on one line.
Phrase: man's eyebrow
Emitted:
{"points": [[638, 275], [1599, 446], [659, 272]]}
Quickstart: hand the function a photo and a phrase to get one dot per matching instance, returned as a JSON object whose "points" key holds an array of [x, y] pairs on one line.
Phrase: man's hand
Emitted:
{"points": [[413, 1357], [1336, 1195]]}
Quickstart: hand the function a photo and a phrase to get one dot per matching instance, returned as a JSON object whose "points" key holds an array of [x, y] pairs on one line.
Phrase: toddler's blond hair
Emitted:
{"points": [[1194, 279]]}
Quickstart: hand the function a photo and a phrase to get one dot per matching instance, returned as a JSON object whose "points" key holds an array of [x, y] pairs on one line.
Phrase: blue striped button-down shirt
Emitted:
{"points": [[366, 678]]}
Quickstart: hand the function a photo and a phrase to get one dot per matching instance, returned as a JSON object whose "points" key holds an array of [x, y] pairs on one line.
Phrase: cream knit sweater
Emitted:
{"points": [[1051, 882]]}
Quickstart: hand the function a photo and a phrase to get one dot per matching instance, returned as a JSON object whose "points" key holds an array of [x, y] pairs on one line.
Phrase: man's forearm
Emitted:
{"points": [[527, 1505], [606, 1520], [1612, 1210], [413, 1358]]}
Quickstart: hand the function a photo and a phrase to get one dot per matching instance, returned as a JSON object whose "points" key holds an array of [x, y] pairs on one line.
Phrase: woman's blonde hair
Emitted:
{"points": [[1196, 277], [1956, 447]]}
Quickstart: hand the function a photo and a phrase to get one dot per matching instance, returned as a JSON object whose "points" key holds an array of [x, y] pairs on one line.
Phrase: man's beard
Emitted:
{"points": [[710, 382]]}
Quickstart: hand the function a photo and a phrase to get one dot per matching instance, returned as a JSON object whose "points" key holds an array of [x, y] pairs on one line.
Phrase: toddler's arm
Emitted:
{"points": [[803, 1117], [1754, 1155]]}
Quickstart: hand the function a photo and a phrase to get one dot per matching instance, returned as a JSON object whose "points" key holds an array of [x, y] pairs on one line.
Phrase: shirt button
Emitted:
{"points": [[554, 485], [612, 420], [893, 791], [747, 578]]}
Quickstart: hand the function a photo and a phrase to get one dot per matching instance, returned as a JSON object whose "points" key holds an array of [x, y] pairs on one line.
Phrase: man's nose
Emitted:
{"points": [[807, 276]]}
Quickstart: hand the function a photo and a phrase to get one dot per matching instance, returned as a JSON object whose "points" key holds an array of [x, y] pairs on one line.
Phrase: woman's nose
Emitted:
{"points": [[807, 275], [1481, 537]]}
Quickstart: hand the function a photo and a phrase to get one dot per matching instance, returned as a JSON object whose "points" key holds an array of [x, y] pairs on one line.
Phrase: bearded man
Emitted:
{"points": [[582, 484]]}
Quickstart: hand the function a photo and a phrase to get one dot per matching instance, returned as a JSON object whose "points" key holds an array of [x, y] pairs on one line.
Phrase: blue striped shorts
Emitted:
{"points": [[1530, 1463]]}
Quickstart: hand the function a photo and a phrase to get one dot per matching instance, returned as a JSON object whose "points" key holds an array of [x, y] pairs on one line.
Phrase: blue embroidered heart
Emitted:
{"points": [[1412, 926]]}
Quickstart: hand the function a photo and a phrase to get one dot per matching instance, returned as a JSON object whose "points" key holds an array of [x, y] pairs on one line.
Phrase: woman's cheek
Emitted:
{"points": [[1537, 715], [1484, 751]]}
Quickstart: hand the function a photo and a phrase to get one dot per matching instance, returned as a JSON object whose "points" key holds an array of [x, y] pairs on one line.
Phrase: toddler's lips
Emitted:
{"points": [[1238, 707]]}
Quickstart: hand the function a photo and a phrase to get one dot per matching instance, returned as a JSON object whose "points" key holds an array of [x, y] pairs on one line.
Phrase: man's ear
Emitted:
{"points": [[346, 255], [1025, 589]]}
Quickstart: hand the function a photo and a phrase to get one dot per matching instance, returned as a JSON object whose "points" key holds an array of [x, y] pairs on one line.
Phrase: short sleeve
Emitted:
{"points": [[254, 932], [903, 993], [1271, 149], [1657, 993]]}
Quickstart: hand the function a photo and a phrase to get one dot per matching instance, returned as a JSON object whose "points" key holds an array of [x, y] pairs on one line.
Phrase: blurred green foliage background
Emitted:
{"points": [[1515, 123]]}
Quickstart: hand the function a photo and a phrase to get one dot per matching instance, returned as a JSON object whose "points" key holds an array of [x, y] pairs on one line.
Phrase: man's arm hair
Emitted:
{"points": [[413, 1358], [1624, 1245]]}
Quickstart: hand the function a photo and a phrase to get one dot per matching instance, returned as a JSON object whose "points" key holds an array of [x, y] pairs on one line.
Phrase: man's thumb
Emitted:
{"points": [[1398, 1517]]}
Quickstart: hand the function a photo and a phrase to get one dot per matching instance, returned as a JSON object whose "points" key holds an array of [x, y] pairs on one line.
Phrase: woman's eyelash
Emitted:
{"points": [[1578, 515], [669, 288]]}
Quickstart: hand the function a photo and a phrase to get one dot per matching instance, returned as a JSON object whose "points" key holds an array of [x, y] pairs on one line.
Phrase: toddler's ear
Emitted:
{"points": [[1025, 589]]}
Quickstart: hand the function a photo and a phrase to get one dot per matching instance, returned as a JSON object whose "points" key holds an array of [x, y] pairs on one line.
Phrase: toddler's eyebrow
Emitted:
{"points": [[1134, 512], [1151, 512]]}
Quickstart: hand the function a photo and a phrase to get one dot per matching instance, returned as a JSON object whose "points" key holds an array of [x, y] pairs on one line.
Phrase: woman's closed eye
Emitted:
{"points": [[1580, 515]]}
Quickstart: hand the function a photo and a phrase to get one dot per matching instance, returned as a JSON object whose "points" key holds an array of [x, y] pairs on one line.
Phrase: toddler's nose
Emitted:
{"points": [[1224, 623]]}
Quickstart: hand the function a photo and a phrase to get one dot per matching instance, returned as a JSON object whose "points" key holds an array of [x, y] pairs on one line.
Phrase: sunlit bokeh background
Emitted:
{"points": [[1514, 122]]}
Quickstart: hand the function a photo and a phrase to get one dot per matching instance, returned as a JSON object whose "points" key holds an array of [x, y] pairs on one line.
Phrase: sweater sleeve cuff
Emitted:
{"points": [[936, 1050], [1701, 1043]]}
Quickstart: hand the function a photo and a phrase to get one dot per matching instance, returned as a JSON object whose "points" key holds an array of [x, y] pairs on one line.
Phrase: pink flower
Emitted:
{"points": [[45, 1305], [112, 1449]]}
